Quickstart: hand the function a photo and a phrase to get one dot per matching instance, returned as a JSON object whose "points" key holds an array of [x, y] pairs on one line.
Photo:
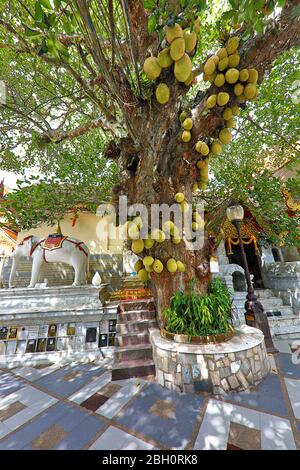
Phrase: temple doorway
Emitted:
{"points": [[253, 261]]}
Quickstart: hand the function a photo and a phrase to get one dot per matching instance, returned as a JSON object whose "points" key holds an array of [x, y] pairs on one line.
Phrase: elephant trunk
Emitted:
{"points": [[13, 271]]}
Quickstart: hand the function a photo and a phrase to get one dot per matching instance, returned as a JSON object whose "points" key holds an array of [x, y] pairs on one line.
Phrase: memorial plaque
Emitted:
{"points": [[52, 330], [31, 346], [2, 347], [71, 329], [21, 347], [43, 331], [91, 335], [23, 333], [3, 332], [79, 343], [33, 332], [70, 343], [61, 344], [103, 340], [51, 343], [104, 325], [80, 329], [112, 326], [111, 339], [12, 332], [41, 345], [62, 329], [11, 347]]}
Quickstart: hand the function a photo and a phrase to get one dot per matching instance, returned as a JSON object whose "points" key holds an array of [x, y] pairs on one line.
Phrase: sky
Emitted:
{"points": [[10, 178]]}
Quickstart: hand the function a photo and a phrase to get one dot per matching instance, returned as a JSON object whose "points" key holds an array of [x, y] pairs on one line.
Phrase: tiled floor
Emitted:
{"points": [[76, 406]]}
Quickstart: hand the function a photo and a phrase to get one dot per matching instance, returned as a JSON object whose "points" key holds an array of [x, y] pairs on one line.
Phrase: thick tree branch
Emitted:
{"points": [[57, 136]]}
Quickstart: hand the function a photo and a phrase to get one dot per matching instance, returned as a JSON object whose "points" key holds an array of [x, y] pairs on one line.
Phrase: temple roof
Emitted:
{"points": [[9, 235]]}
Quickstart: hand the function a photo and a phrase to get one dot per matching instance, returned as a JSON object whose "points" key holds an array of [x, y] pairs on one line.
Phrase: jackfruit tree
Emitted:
{"points": [[164, 81]]}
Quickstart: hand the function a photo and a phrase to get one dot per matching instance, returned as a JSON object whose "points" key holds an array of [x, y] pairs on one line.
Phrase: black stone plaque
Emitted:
{"points": [[41, 345], [103, 340], [3, 332], [91, 335], [52, 330], [51, 344], [31, 346]]}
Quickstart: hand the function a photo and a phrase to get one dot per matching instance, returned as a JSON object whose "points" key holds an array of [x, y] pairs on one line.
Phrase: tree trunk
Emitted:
{"points": [[165, 284], [153, 176]]}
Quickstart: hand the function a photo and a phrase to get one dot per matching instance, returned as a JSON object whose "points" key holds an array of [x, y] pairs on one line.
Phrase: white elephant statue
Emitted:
{"points": [[72, 252]]}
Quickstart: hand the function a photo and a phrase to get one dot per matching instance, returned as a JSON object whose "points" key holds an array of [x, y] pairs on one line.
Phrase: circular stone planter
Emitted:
{"points": [[232, 365], [208, 339]]}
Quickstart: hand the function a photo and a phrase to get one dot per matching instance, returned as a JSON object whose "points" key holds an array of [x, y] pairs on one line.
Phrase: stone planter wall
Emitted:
{"points": [[234, 365]]}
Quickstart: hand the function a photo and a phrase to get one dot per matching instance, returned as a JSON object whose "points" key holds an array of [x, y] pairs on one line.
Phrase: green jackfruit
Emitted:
{"points": [[173, 32], [162, 93], [164, 58], [152, 68], [183, 68], [177, 49]]}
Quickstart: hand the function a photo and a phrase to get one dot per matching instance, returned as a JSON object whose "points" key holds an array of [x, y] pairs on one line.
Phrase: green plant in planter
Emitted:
{"points": [[194, 314]]}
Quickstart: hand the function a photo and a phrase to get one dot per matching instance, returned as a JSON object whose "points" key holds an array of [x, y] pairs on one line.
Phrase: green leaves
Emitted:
{"points": [[38, 13], [149, 4], [198, 315]]}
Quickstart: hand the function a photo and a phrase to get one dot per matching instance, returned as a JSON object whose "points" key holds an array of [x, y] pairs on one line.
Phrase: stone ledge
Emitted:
{"points": [[246, 337], [235, 365]]}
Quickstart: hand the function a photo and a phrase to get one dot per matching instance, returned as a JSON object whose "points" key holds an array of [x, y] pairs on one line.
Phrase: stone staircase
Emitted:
{"points": [[282, 318], [133, 351]]}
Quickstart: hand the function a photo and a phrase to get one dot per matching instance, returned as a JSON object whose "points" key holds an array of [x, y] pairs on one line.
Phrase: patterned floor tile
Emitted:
{"points": [[116, 439], [113, 405], [82, 435], [288, 367], [76, 429], [70, 379], [21, 406], [214, 430], [9, 384], [91, 388], [293, 388], [174, 432], [243, 437], [267, 397], [34, 373], [274, 433], [283, 345]]}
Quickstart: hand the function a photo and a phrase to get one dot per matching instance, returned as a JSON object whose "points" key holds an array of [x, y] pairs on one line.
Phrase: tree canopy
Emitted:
{"points": [[81, 104]]}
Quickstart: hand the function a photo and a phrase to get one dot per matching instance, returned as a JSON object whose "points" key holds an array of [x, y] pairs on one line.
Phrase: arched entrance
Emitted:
{"points": [[234, 256]]}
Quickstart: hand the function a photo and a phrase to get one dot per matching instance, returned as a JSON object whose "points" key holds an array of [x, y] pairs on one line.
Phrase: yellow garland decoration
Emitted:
{"points": [[230, 242]]}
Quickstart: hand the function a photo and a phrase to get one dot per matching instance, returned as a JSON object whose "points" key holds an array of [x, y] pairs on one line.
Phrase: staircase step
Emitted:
{"points": [[132, 353], [264, 293], [136, 315], [133, 305], [286, 310], [135, 327], [131, 339], [138, 368], [284, 325], [271, 302]]}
